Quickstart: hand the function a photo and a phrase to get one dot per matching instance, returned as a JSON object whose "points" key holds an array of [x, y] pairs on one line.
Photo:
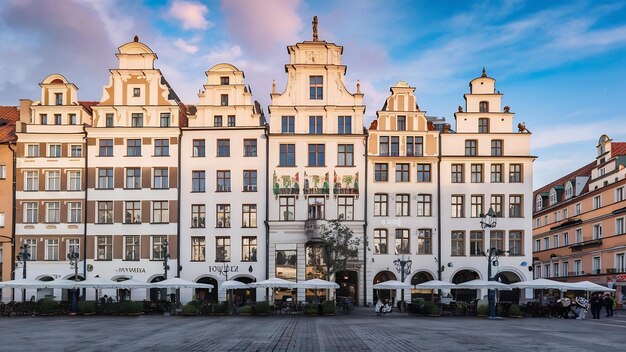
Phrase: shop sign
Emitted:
{"points": [[134, 270], [620, 278], [223, 268]]}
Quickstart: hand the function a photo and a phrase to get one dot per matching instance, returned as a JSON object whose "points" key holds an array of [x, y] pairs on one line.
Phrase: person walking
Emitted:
{"points": [[596, 306], [609, 303]]}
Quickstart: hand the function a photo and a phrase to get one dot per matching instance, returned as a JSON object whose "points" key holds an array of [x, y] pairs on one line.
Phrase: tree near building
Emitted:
{"points": [[337, 245]]}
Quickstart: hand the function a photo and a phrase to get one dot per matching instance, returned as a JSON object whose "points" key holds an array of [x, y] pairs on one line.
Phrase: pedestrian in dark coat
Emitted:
{"points": [[608, 305], [596, 305]]}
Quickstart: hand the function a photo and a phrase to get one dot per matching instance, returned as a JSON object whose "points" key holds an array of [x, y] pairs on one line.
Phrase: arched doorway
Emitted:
{"points": [[243, 296], [158, 294], [512, 296], [204, 294], [122, 293], [384, 294], [45, 292], [464, 295], [418, 278], [348, 281]]}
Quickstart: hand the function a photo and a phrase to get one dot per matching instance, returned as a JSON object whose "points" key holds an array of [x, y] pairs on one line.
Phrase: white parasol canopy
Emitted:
{"points": [[541, 284], [588, 286], [435, 285], [177, 283], [62, 283], [483, 284], [133, 283], [274, 282], [97, 283], [317, 284], [25, 283], [233, 285], [392, 285]]}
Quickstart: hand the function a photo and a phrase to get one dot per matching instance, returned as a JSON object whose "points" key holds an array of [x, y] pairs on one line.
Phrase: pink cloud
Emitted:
{"points": [[191, 14]]}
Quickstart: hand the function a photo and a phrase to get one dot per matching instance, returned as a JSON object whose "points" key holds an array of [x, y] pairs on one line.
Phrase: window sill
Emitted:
{"points": [[131, 223], [198, 261], [344, 166], [159, 188], [249, 227], [249, 261], [160, 223], [159, 156], [247, 191], [316, 166], [198, 156], [198, 192], [226, 191], [287, 166], [104, 223], [197, 227], [103, 260], [130, 260]]}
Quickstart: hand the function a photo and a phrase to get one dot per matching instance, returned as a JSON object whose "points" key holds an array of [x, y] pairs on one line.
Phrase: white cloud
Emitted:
{"points": [[191, 14], [553, 135], [185, 46]]}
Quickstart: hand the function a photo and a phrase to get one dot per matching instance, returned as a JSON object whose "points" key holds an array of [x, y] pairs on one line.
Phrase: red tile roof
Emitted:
{"points": [[8, 116], [182, 115], [618, 148], [88, 105], [583, 171]]}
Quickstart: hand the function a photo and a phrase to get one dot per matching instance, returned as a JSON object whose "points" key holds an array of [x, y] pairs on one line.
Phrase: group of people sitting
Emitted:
{"points": [[577, 308]]}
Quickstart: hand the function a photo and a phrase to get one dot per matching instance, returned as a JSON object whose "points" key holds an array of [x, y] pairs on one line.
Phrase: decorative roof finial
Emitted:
{"points": [[358, 86], [273, 86], [484, 72], [136, 39], [315, 38]]}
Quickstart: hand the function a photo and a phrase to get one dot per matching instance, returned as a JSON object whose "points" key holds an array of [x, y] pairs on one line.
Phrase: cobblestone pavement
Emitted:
{"points": [[362, 331]]}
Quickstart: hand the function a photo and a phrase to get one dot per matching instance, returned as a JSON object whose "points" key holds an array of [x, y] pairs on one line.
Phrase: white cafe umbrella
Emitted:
{"points": [[588, 286], [317, 284], [133, 283], [483, 284], [25, 283], [274, 282], [435, 285], [392, 285], [97, 283], [234, 285], [541, 284], [177, 283], [62, 283]]}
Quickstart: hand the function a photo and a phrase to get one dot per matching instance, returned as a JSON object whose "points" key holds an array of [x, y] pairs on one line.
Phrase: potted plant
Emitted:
{"points": [[261, 308], [190, 309], [329, 308], [482, 310], [49, 307], [87, 307], [430, 309], [245, 310], [219, 308], [310, 309], [515, 311]]}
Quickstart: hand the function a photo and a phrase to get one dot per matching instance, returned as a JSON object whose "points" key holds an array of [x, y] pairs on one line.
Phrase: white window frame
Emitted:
{"points": [[619, 194], [74, 212], [579, 235], [72, 245], [597, 231], [619, 226], [31, 180], [577, 209], [53, 180], [74, 180], [32, 150], [71, 150], [57, 151], [569, 190], [3, 172], [553, 198], [54, 219], [620, 262], [51, 244], [596, 264], [597, 202]]}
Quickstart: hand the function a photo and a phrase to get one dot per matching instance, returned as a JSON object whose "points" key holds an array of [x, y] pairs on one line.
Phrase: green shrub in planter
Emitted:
{"points": [[430, 308], [482, 310], [206, 309], [49, 306], [195, 303], [515, 311], [310, 309], [245, 310], [219, 308], [86, 307], [329, 307], [190, 309], [261, 308], [126, 307]]}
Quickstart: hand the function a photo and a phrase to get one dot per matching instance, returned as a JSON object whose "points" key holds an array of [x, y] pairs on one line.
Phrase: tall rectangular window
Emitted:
{"points": [[515, 173], [198, 215], [217, 121], [315, 125], [395, 146], [32, 150], [597, 202], [345, 154], [424, 204], [496, 147], [53, 180], [496, 173], [619, 226], [32, 180], [476, 243], [73, 120], [132, 212], [381, 172], [248, 215], [57, 119], [316, 87], [223, 148], [477, 206], [596, 231], [383, 145], [287, 155], [344, 125], [159, 248], [32, 244], [316, 208], [579, 235], [161, 147], [198, 249], [136, 120], [402, 241], [483, 106], [248, 249], [403, 205], [414, 146], [72, 246], [287, 208], [222, 249], [198, 179], [458, 243], [317, 155], [345, 208], [457, 173], [54, 150], [496, 240], [515, 206], [160, 212], [477, 173], [105, 178], [75, 212], [76, 151], [165, 119], [249, 147], [619, 194], [133, 178], [136, 92], [380, 241], [105, 212], [381, 204], [106, 147], [160, 178], [402, 172], [423, 172], [222, 216], [31, 212], [44, 119], [471, 147], [223, 181], [52, 249], [224, 99], [458, 210], [108, 120], [53, 212], [131, 248], [249, 180], [104, 247], [516, 243], [232, 121], [401, 123], [483, 125], [424, 241], [58, 98], [288, 124], [198, 148], [496, 204]]}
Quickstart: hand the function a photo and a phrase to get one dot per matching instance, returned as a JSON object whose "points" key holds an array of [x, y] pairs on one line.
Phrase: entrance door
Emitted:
{"points": [[348, 285], [204, 294]]}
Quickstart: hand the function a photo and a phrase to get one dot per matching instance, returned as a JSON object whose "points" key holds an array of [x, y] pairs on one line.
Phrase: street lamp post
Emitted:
{"points": [[404, 268], [23, 257], [73, 258], [224, 272], [166, 266], [492, 254]]}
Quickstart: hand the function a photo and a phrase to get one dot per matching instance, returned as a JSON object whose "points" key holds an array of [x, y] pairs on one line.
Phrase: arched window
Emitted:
{"points": [[483, 106], [569, 190], [538, 202], [553, 197]]}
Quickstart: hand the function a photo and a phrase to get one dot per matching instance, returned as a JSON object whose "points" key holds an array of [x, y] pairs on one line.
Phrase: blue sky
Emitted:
{"points": [[561, 65]]}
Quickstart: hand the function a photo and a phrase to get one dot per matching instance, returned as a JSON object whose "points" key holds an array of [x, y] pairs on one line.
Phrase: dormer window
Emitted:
{"points": [[136, 92], [58, 98], [483, 125], [483, 106], [224, 81], [539, 202], [569, 190], [316, 87], [553, 197]]}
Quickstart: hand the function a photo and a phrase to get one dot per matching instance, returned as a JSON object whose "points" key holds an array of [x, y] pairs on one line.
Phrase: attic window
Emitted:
{"points": [[136, 92], [224, 81], [483, 106], [553, 198], [538, 202], [569, 190]]}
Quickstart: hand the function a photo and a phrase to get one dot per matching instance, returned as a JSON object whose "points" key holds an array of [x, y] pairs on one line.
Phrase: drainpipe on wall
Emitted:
{"points": [[365, 220], [13, 215], [86, 185], [178, 183], [267, 201], [439, 210]]}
